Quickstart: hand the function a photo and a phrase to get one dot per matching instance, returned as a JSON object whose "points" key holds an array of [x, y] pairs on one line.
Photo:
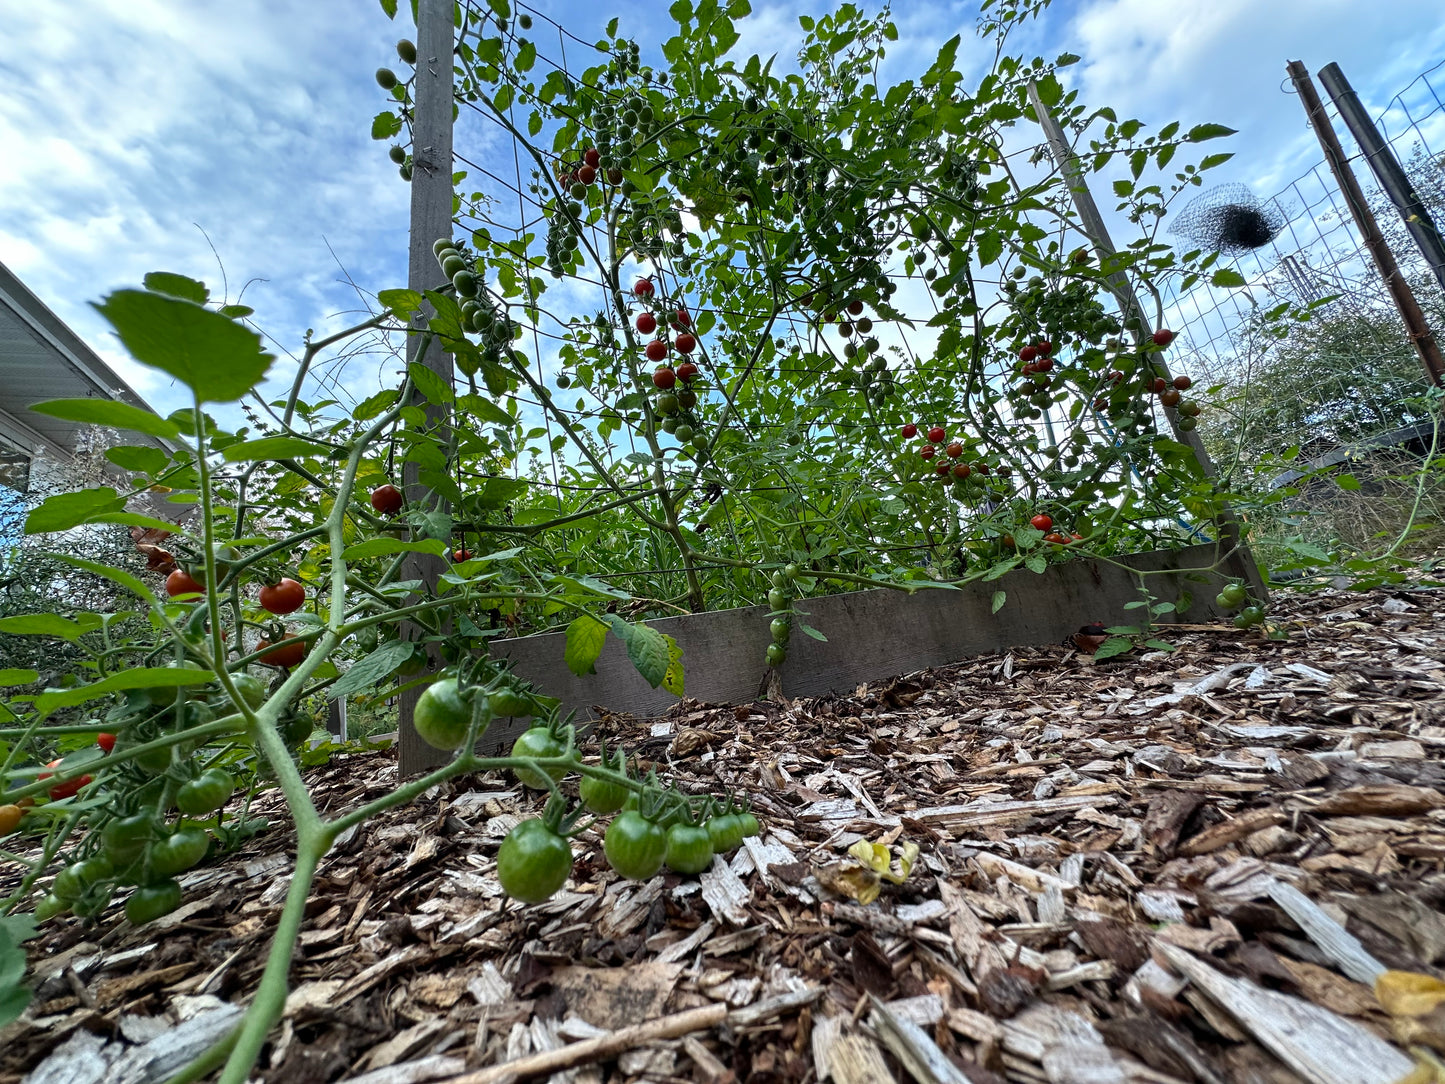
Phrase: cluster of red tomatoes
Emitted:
{"points": [[571, 174], [1044, 522], [862, 326], [684, 341], [1035, 357], [949, 467]]}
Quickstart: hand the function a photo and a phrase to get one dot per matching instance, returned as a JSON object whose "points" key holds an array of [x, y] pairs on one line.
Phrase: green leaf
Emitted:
{"points": [[385, 125], [1161, 645], [497, 492], [401, 302], [389, 6], [999, 598], [1347, 481], [482, 408], [380, 547], [115, 575], [1201, 132], [140, 458], [674, 680], [646, 647], [48, 625], [217, 358], [372, 669], [429, 383], [990, 247], [9, 678], [1115, 645], [149, 677], [172, 285], [373, 406], [585, 637], [273, 448], [526, 57], [1002, 568], [1036, 562], [1211, 160], [1227, 276], [811, 631], [111, 414], [63, 511]]}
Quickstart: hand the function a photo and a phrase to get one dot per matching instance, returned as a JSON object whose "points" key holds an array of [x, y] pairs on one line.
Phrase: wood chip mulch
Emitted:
{"points": [[1159, 868]]}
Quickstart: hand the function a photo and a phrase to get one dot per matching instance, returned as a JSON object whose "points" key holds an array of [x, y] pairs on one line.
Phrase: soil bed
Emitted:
{"points": [[1163, 867]]}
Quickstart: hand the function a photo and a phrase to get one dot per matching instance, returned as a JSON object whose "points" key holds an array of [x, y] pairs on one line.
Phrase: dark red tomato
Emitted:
{"points": [[942, 469], [1044, 347], [980, 468], [961, 470], [387, 500], [954, 450], [1056, 538], [687, 370], [928, 451], [587, 174], [106, 742], [665, 378], [937, 434], [1183, 383], [1042, 522], [1158, 384], [533, 862], [656, 350], [1028, 354], [286, 654], [1163, 337], [284, 597], [634, 845], [683, 319], [1116, 376], [614, 176], [1169, 397], [461, 555], [181, 582], [1043, 365], [593, 157], [643, 287], [685, 344], [647, 323], [910, 431]]}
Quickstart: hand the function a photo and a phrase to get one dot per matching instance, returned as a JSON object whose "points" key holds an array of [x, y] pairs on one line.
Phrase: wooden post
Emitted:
{"points": [[431, 218], [1396, 185], [1238, 559]]}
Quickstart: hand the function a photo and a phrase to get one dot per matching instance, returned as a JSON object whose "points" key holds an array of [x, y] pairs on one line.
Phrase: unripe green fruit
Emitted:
{"points": [[777, 654], [385, 78], [406, 50]]}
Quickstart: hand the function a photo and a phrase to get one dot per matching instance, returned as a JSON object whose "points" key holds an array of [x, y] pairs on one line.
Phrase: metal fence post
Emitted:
{"points": [[1238, 558], [431, 218], [1415, 325]]}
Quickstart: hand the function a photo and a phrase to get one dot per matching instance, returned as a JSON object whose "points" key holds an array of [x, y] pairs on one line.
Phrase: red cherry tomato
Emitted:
{"points": [[927, 451], [181, 582], [461, 555], [1163, 337], [686, 371], [647, 323], [664, 378], [1043, 365], [954, 450], [910, 430], [941, 469], [1044, 347], [387, 500], [284, 597], [286, 654], [961, 470], [68, 789], [937, 434], [1028, 354], [1183, 383], [656, 350], [1042, 522], [1056, 538], [685, 344], [643, 288], [682, 319], [593, 157], [587, 174], [106, 742]]}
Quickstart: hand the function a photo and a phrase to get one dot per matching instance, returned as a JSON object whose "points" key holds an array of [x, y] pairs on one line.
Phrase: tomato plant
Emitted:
{"points": [[283, 597]]}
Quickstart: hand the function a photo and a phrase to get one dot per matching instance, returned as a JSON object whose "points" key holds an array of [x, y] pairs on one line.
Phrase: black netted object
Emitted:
{"points": [[1228, 219]]}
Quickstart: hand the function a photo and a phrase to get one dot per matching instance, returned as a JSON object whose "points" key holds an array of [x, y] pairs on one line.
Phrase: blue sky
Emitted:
{"points": [[131, 128]]}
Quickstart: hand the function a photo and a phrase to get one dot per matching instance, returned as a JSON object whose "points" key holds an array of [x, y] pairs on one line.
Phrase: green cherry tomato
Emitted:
{"points": [[92, 903], [782, 629], [726, 833], [749, 824], [75, 880], [777, 600], [603, 796], [533, 862], [634, 845], [689, 848], [777, 654], [194, 713], [510, 703], [50, 906], [206, 793], [1223, 603], [442, 715], [1233, 593], [179, 851], [296, 728], [153, 900], [1247, 617], [792, 572], [537, 742], [252, 689], [125, 838]]}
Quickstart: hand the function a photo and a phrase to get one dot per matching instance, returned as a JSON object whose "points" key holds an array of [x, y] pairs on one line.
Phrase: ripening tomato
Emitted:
{"points": [[1115, 376], [936, 434], [928, 451], [643, 288], [1169, 397], [961, 470], [1183, 383], [1163, 337], [687, 370], [10, 817], [286, 654], [656, 350], [387, 500], [665, 378], [181, 582], [1056, 538], [587, 174], [647, 323], [69, 788], [954, 450], [909, 431], [1042, 522], [284, 597]]}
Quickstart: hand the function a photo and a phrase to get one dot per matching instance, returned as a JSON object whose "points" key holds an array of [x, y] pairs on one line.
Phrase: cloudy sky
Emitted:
{"points": [[140, 135]]}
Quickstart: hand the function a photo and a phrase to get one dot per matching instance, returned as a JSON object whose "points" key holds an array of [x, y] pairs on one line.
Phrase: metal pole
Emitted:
{"points": [[1415, 325], [1387, 169], [1238, 558], [431, 218]]}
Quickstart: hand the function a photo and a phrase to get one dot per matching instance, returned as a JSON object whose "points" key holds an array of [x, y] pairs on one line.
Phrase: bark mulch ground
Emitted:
{"points": [[1162, 867]]}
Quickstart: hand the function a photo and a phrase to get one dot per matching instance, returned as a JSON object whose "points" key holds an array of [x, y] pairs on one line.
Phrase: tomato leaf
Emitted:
{"points": [[217, 358], [372, 669], [999, 598], [1115, 645], [646, 647], [110, 414], [380, 547], [430, 384], [48, 625], [585, 637], [10, 678], [66, 510], [1227, 276], [673, 680], [401, 302], [273, 448], [173, 285], [145, 678]]}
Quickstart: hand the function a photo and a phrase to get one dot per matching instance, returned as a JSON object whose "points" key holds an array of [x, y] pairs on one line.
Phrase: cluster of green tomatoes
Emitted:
{"points": [[1232, 596], [780, 605]]}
